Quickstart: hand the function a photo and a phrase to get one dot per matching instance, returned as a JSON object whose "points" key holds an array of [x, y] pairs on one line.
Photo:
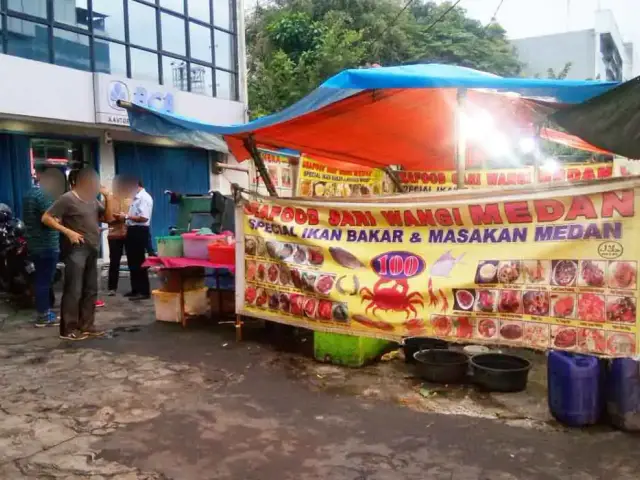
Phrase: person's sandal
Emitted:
{"points": [[74, 336], [93, 333]]}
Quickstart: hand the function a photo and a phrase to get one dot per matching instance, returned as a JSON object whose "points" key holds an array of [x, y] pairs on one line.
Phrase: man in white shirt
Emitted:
{"points": [[138, 220]]}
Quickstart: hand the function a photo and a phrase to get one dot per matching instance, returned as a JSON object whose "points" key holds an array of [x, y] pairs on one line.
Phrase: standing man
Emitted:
{"points": [[138, 220], [43, 244], [76, 215], [117, 233]]}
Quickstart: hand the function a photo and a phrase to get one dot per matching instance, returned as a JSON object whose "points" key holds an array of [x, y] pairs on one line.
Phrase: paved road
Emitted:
{"points": [[162, 403]]}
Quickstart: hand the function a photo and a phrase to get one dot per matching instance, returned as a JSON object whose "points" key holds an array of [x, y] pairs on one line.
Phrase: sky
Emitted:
{"points": [[527, 18]]}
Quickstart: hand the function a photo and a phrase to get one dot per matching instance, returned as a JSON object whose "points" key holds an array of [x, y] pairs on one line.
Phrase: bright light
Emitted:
{"points": [[497, 144], [550, 165], [527, 145]]}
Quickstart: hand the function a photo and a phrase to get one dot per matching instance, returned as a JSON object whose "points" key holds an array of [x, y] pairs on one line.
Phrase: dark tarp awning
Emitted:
{"points": [[610, 121]]}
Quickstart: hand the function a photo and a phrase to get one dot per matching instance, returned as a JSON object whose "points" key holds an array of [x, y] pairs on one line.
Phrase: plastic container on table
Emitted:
{"points": [[167, 304], [170, 246], [623, 394], [574, 388], [196, 246], [222, 254]]}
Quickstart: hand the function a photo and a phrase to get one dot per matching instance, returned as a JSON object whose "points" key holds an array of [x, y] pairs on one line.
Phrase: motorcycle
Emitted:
{"points": [[16, 269]]}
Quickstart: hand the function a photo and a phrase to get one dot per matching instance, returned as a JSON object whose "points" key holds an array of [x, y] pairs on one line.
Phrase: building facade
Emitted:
{"points": [[64, 65], [596, 53]]}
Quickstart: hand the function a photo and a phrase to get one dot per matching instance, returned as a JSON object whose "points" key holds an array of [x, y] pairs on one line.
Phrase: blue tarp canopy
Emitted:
{"points": [[408, 106]]}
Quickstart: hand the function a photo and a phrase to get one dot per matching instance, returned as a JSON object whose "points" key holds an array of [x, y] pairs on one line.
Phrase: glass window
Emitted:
{"points": [[200, 38], [222, 14], [72, 12], [175, 5], [142, 25], [174, 73], [37, 8], [144, 65], [201, 80], [226, 85], [173, 34], [225, 56], [200, 9], [27, 39], [71, 49], [108, 18], [110, 57]]}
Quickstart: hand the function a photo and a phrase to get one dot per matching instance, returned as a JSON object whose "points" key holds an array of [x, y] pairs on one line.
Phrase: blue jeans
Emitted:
{"points": [[45, 264]]}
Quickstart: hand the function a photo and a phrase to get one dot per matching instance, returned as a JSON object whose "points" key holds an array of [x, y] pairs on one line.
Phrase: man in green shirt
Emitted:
{"points": [[43, 244]]}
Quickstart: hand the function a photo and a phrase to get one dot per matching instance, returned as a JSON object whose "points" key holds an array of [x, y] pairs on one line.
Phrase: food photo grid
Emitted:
{"points": [[286, 277], [585, 295]]}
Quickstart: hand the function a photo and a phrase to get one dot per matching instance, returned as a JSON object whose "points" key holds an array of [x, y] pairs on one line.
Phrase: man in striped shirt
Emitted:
{"points": [[43, 244]]}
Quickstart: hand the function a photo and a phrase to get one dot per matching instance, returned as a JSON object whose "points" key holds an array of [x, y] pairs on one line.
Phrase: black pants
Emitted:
{"points": [[116, 248], [80, 290], [136, 245]]}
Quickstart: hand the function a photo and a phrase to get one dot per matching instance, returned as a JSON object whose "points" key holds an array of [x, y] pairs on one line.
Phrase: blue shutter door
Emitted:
{"points": [[183, 170], [15, 170]]}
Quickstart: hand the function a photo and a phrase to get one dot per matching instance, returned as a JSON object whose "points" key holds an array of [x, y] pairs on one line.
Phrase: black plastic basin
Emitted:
{"points": [[441, 366], [500, 372], [411, 345]]}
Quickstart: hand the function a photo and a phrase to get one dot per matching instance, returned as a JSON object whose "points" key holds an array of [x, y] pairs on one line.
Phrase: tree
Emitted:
{"points": [[294, 45], [562, 74]]}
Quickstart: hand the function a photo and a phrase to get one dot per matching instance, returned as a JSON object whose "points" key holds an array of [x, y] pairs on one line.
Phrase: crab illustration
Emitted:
{"points": [[395, 298]]}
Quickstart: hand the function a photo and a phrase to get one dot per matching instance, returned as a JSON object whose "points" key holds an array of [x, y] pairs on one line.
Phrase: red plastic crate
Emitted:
{"points": [[222, 254]]}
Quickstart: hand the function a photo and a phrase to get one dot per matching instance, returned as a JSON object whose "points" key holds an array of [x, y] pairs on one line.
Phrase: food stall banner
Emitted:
{"points": [[281, 171], [425, 181], [319, 179], [551, 267]]}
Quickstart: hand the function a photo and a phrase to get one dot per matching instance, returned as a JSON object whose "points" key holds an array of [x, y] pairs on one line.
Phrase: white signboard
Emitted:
{"points": [[110, 89]]}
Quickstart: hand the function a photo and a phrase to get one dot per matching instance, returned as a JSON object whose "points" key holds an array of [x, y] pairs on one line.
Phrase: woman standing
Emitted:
{"points": [[117, 233]]}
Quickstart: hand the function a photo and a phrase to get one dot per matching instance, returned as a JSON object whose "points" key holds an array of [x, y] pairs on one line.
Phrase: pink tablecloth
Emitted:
{"points": [[180, 262]]}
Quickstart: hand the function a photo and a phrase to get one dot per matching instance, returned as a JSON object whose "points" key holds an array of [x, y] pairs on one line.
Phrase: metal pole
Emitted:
{"points": [[460, 136], [391, 173]]}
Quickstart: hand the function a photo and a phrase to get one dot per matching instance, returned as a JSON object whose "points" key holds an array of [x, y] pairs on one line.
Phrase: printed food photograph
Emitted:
{"points": [[536, 334], [318, 189], [285, 302], [621, 309], [621, 344], [299, 255], [309, 281], [592, 273], [564, 337], [261, 272], [511, 331], [297, 304], [536, 303], [286, 177], [285, 251], [306, 188], [442, 325], [325, 310], [464, 299], [463, 327], [310, 306], [510, 272], [273, 273], [340, 312], [250, 270], [591, 307], [537, 272], [272, 249], [274, 299], [285, 276], [261, 247], [250, 294], [591, 340], [345, 258], [296, 278], [564, 273], [563, 305], [510, 301], [623, 275], [486, 301], [486, 328], [316, 257], [487, 272], [250, 245], [324, 283], [261, 297]]}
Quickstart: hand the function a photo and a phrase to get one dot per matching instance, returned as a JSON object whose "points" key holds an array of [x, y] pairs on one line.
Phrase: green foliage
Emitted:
{"points": [[562, 74], [294, 45]]}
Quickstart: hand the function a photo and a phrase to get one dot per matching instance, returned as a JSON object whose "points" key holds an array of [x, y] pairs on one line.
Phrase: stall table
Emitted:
{"points": [[180, 264]]}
